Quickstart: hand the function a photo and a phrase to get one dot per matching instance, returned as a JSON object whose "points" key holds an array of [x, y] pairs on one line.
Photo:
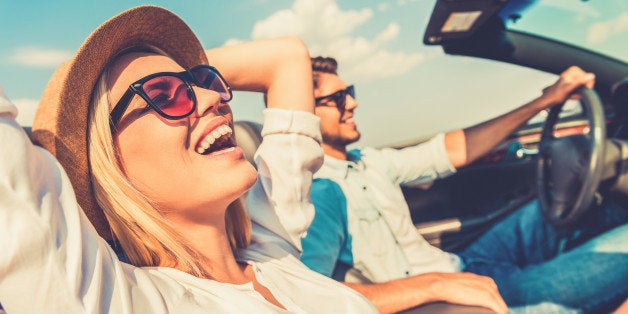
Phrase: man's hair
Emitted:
{"points": [[323, 65]]}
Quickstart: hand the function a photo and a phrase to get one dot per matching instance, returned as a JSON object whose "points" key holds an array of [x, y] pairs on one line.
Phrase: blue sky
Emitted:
{"points": [[406, 90]]}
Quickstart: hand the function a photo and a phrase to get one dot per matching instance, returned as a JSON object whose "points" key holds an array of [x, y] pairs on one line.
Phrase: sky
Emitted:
{"points": [[405, 90]]}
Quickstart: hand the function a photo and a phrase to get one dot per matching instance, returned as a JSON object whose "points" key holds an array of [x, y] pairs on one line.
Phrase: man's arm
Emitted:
{"points": [[456, 288], [465, 146]]}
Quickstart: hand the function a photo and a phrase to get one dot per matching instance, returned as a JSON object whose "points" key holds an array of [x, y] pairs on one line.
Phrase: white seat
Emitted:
{"points": [[248, 135]]}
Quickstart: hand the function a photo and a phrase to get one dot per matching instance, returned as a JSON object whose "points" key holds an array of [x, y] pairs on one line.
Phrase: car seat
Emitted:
{"points": [[248, 135]]}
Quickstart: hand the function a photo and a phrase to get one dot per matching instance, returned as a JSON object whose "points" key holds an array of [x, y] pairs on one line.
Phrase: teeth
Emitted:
{"points": [[210, 138]]}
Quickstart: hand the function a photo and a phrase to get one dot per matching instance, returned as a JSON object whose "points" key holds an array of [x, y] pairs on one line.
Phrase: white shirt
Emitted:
{"points": [[385, 243], [53, 261]]}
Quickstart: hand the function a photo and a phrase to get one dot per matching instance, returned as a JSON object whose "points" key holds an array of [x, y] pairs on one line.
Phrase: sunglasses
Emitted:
{"points": [[170, 94], [339, 97]]}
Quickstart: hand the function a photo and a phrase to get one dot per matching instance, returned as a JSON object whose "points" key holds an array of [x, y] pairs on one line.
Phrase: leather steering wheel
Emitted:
{"points": [[570, 168]]}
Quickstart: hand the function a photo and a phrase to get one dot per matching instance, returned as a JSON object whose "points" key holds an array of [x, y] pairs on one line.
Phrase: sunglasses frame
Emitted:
{"points": [[187, 77], [336, 96]]}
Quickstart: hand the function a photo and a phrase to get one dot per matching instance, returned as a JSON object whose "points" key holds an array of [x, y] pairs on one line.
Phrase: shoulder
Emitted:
{"points": [[327, 194], [366, 154], [326, 186], [328, 199]]}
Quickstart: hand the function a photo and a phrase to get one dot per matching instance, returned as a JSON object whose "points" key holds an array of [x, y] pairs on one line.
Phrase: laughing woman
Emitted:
{"points": [[141, 125]]}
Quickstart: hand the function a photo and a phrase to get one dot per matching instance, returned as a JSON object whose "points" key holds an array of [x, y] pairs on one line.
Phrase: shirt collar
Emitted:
{"points": [[337, 168]]}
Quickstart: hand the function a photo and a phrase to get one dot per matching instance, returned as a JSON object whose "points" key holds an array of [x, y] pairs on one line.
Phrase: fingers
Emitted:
{"points": [[568, 82], [471, 289], [577, 77]]}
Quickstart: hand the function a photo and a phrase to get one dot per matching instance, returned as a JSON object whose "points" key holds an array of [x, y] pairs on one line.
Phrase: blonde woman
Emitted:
{"points": [[141, 124]]}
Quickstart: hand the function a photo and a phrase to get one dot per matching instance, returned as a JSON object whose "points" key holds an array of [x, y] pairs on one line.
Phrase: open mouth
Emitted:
{"points": [[217, 140]]}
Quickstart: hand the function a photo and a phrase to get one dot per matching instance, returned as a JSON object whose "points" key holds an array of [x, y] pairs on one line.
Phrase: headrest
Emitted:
{"points": [[248, 135]]}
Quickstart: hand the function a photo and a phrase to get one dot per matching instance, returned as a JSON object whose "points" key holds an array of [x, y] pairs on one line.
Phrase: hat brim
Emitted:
{"points": [[60, 124]]}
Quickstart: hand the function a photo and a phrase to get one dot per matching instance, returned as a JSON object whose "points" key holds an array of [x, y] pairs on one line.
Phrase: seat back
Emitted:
{"points": [[248, 136], [28, 131]]}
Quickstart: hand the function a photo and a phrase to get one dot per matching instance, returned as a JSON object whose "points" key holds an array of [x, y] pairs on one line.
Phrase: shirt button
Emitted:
{"points": [[364, 188]]}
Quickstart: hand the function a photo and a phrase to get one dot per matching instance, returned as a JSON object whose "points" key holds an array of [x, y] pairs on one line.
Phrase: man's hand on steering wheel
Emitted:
{"points": [[563, 89], [570, 168]]}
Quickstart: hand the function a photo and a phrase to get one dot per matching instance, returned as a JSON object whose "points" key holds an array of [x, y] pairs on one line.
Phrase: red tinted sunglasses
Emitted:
{"points": [[170, 94]]}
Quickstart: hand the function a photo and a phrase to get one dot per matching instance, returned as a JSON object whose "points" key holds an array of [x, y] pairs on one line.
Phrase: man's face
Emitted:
{"points": [[337, 126]]}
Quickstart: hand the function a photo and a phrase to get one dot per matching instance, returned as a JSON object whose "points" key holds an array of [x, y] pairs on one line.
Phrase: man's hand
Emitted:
{"points": [[563, 88], [456, 288]]}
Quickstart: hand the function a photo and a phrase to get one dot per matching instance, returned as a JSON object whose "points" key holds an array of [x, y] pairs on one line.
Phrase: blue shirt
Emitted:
{"points": [[327, 246]]}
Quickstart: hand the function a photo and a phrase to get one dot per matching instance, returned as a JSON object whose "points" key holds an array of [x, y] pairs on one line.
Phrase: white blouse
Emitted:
{"points": [[53, 261]]}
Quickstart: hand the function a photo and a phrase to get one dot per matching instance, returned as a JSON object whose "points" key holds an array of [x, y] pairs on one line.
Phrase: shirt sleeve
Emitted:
{"points": [[424, 162], [52, 259], [279, 202], [327, 233]]}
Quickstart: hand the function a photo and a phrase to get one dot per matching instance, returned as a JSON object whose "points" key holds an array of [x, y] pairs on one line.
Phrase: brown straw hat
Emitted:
{"points": [[60, 124]]}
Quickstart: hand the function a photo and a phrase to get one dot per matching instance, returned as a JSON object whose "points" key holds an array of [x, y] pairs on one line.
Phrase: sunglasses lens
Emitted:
{"points": [[341, 100], [207, 78], [351, 91], [170, 94]]}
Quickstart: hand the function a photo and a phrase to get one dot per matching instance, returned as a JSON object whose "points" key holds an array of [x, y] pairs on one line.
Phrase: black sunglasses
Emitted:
{"points": [[170, 94], [339, 97]]}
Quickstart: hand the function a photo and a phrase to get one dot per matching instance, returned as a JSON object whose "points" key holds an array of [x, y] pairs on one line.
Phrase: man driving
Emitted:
{"points": [[363, 234]]}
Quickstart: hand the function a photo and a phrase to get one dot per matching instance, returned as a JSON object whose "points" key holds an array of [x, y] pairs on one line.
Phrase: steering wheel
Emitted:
{"points": [[569, 168]]}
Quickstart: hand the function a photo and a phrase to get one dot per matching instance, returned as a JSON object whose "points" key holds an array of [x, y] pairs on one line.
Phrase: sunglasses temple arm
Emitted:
{"points": [[118, 111]]}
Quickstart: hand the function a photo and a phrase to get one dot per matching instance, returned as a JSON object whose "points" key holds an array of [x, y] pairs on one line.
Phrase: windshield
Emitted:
{"points": [[598, 25]]}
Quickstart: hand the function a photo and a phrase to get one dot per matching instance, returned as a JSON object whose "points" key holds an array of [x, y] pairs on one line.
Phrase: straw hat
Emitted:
{"points": [[60, 124]]}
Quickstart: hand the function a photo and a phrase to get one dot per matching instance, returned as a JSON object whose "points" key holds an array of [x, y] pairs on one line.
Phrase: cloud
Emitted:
{"points": [[328, 30], [26, 109], [602, 31], [233, 41], [39, 57], [319, 20], [382, 64]]}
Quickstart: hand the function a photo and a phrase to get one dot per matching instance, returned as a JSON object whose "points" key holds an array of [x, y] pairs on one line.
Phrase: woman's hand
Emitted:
{"points": [[280, 68]]}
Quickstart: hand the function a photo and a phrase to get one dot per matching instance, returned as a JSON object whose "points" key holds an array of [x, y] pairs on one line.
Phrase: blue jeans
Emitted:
{"points": [[542, 269]]}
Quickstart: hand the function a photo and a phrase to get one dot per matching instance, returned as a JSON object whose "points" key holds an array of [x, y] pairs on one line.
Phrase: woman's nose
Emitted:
{"points": [[206, 100]]}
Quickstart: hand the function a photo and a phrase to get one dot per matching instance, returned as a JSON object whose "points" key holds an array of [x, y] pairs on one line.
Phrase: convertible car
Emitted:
{"points": [[573, 158]]}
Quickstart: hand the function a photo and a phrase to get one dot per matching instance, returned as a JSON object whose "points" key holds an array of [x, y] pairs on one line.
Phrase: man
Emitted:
{"points": [[363, 234]]}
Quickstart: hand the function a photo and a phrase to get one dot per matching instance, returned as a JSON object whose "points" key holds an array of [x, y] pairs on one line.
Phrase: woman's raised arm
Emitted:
{"points": [[280, 68]]}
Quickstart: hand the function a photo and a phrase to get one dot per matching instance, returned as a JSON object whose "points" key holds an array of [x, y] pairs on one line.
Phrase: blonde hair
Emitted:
{"points": [[146, 236]]}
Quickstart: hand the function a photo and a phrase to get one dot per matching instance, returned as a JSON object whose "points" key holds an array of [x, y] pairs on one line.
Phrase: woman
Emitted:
{"points": [[142, 127]]}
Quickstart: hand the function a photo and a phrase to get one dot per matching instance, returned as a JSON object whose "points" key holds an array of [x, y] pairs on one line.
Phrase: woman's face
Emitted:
{"points": [[161, 157]]}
